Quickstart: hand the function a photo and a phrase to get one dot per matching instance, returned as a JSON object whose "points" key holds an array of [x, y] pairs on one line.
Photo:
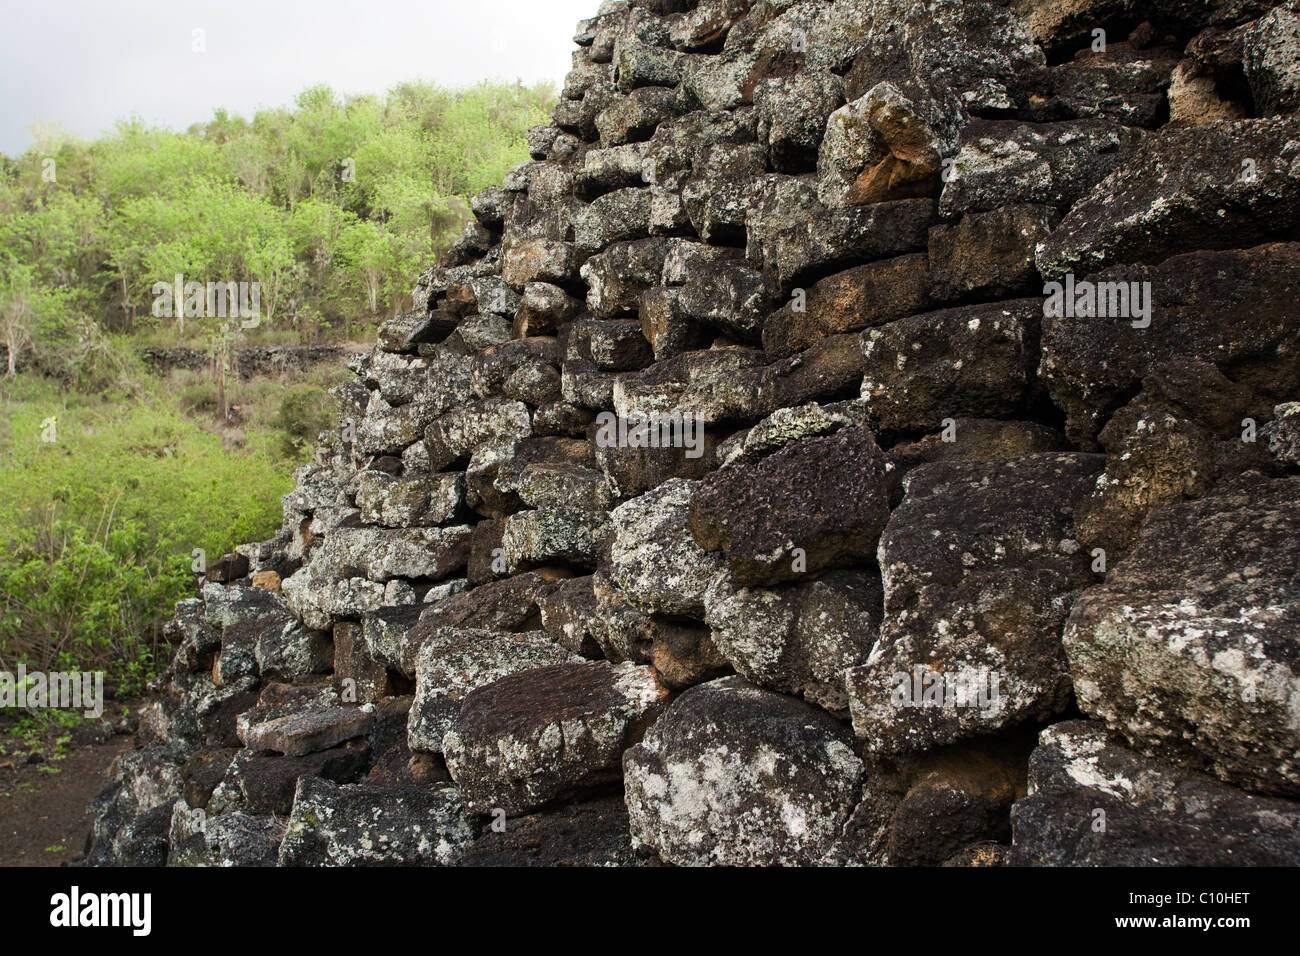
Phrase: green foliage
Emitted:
{"points": [[332, 206], [304, 413], [97, 527]]}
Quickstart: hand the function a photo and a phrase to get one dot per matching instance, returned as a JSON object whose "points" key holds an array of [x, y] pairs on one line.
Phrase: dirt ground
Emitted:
{"points": [[43, 819]]}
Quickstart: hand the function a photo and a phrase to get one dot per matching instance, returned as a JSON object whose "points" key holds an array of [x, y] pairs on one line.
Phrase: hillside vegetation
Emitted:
{"points": [[113, 477]]}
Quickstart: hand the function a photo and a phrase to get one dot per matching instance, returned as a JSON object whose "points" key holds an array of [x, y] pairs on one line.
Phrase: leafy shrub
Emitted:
{"points": [[200, 397], [305, 411], [97, 527]]}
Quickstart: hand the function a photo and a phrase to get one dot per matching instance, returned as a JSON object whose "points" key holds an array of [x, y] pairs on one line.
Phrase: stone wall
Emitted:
{"points": [[926, 560], [248, 362]]}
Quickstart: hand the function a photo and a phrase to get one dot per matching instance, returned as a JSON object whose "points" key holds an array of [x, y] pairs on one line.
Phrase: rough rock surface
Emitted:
{"points": [[798, 511], [548, 733], [980, 567], [741, 488], [733, 775], [351, 826], [1093, 803], [1200, 658]]}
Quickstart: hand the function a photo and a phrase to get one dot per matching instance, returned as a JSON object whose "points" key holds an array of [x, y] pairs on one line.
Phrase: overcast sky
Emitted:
{"points": [[84, 64]]}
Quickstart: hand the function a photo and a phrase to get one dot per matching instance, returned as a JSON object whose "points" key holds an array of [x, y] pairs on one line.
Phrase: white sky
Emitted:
{"points": [[84, 64]]}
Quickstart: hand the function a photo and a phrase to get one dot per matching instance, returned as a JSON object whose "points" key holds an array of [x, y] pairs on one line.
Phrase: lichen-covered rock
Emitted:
{"points": [[265, 783], [524, 369], [402, 379], [948, 806], [1091, 364], [716, 207], [1218, 185], [293, 651], [879, 147], [1130, 86], [717, 384], [922, 369], [556, 485], [455, 435], [1094, 803], [1283, 433], [126, 836], [554, 534], [277, 700], [310, 730], [1005, 162], [495, 471], [622, 214], [786, 425], [790, 111], [798, 638], [726, 295], [320, 601], [453, 661], [356, 671], [1167, 445], [509, 604], [1189, 648], [548, 733], [796, 238], [1271, 57], [381, 554], [400, 502], [405, 332], [970, 56], [980, 567], [634, 117], [654, 558], [833, 503], [335, 825], [733, 775], [232, 839]]}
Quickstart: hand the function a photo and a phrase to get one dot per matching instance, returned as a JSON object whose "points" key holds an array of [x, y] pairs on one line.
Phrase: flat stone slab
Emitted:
{"points": [[548, 733], [308, 731], [335, 825]]}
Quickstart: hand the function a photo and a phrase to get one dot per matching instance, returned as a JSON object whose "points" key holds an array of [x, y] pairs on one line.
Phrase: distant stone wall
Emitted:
{"points": [[248, 362], [848, 398]]}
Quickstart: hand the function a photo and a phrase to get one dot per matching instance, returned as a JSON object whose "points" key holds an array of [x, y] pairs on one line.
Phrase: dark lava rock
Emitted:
{"points": [[549, 733], [1094, 803], [733, 775], [1187, 187], [1092, 365], [1191, 649], [801, 509], [593, 833], [980, 568]]}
